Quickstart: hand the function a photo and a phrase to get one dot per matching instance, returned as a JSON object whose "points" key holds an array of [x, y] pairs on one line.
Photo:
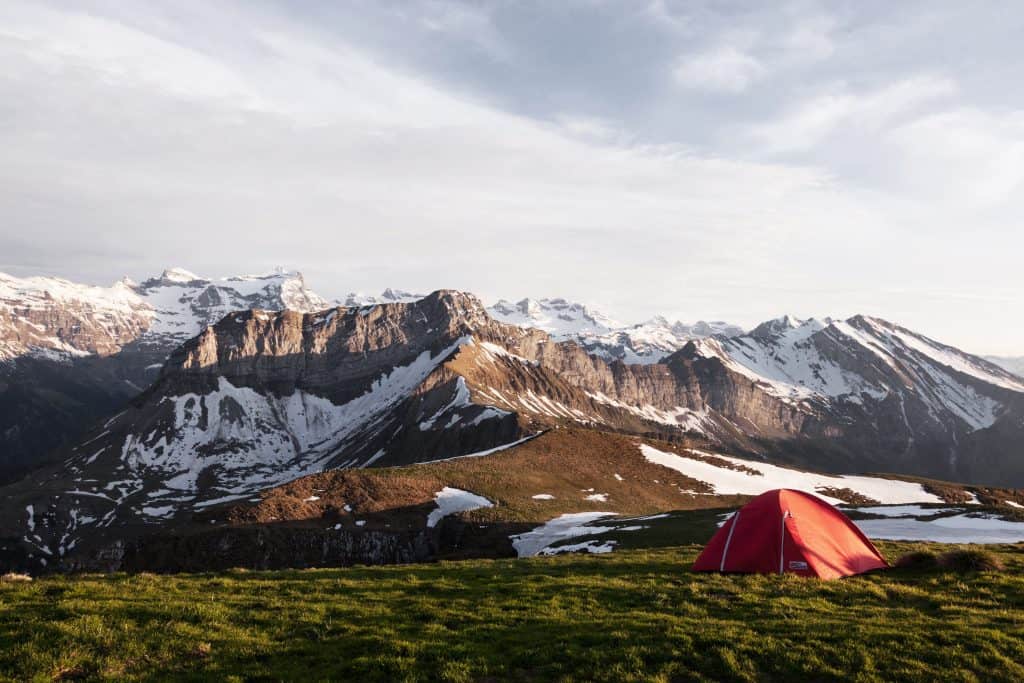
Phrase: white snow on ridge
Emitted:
{"points": [[957, 360], [489, 451], [461, 399], [272, 439], [39, 292], [388, 296], [691, 420], [650, 341], [726, 481], [166, 310], [173, 295], [643, 343], [783, 357], [117, 314], [792, 369], [451, 500], [560, 318]]}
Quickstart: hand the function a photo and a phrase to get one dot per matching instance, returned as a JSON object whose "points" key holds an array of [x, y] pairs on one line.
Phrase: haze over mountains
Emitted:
{"points": [[142, 406]]}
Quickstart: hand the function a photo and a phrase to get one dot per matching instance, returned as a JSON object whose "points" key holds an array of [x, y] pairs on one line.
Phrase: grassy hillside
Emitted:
{"points": [[569, 465], [628, 616]]}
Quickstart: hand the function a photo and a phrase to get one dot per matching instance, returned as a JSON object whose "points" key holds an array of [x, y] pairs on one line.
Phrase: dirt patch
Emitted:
{"points": [[847, 496]]}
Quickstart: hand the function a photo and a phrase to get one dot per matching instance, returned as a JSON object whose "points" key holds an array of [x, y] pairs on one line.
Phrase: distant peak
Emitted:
{"points": [[388, 296], [179, 275]]}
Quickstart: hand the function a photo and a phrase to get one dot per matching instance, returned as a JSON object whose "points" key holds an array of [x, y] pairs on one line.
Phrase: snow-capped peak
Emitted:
{"points": [[52, 315], [185, 303], [865, 358], [179, 275], [558, 317], [646, 342], [388, 296]]}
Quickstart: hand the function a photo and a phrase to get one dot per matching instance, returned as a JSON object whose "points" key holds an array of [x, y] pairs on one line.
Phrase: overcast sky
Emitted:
{"points": [[716, 160]]}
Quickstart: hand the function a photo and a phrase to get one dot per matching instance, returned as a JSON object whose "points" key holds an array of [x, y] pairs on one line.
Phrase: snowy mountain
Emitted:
{"points": [[183, 303], [204, 393], [646, 342], [864, 359], [71, 354], [263, 397], [52, 317], [388, 296], [560, 318]]}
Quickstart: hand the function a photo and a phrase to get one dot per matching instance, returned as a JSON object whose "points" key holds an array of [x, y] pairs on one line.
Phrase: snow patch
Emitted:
{"points": [[728, 481], [451, 500], [903, 510], [966, 528], [596, 547], [570, 525]]}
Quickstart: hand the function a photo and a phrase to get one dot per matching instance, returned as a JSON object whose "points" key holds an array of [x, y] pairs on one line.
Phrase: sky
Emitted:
{"points": [[721, 160]]}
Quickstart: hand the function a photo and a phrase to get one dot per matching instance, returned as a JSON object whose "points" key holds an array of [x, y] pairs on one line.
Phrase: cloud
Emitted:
{"points": [[364, 176], [233, 137], [724, 68], [808, 124], [963, 152]]}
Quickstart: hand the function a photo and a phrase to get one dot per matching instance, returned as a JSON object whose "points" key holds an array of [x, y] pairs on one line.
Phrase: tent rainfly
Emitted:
{"points": [[790, 532]]}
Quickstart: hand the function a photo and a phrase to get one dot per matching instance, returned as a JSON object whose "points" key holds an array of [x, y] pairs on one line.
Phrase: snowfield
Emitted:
{"points": [[903, 510], [573, 524], [727, 481], [964, 528]]}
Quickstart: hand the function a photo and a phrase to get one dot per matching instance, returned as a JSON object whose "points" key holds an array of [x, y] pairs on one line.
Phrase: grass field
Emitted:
{"points": [[634, 615]]}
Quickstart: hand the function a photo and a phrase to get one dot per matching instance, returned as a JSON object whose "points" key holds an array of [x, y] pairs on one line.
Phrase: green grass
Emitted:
{"points": [[635, 615]]}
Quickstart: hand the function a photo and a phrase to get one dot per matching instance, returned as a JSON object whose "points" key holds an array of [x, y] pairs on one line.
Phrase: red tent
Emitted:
{"points": [[786, 531]]}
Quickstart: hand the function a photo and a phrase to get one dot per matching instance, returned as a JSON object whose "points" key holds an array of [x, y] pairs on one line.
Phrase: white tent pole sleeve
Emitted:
{"points": [[728, 539], [782, 544]]}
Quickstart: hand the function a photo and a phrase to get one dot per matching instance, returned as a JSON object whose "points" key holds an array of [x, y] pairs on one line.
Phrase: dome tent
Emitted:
{"points": [[790, 532]]}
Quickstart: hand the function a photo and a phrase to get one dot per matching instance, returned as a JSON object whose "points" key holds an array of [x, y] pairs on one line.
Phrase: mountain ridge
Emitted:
{"points": [[264, 397]]}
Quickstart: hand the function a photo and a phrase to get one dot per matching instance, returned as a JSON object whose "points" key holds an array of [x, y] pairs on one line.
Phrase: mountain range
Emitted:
{"points": [[185, 403]]}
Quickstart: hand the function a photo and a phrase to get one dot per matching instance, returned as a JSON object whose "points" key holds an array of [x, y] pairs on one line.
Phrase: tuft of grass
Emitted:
{"points": [[971, 560], [917, 560]]}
